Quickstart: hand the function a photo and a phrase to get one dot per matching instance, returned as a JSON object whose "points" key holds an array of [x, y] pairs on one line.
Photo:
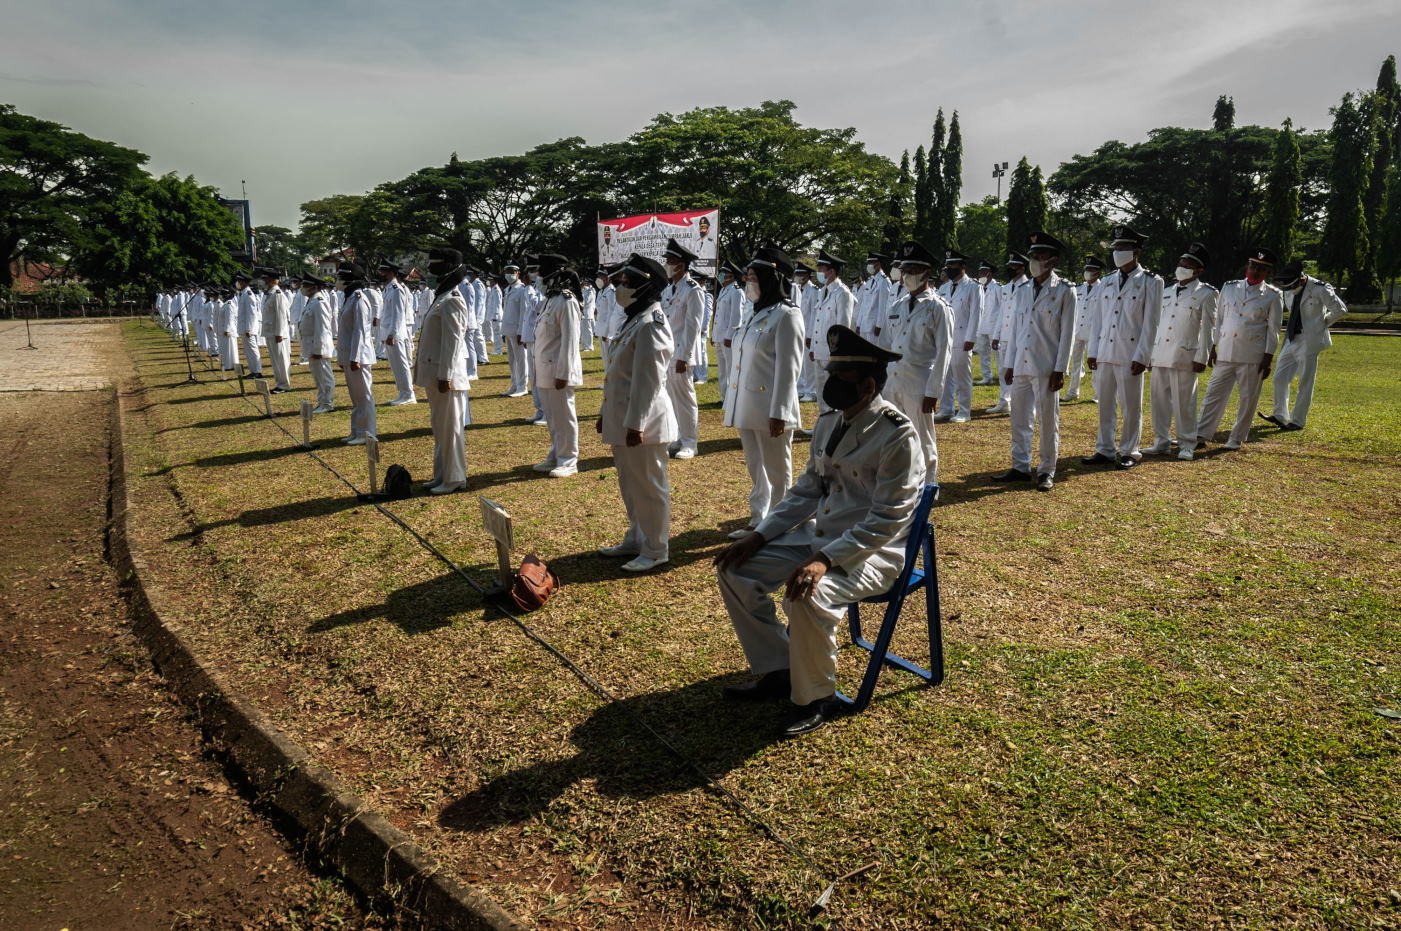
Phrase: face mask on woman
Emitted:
{"points": [[624, 294], [752, 291], [840, 394]]}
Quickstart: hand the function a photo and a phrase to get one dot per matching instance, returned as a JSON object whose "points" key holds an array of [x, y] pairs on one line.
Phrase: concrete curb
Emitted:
{"points": [[377, 858]]}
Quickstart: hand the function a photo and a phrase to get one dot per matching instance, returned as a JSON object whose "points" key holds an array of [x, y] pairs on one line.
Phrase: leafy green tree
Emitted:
{"points": [[922, 196], [952, 190], [157, 232], [1389, 233], [1026, 205], [1385, 110], [279, 247], [896, 224], [326, 223], [932, 235], [982, 230], [1345, 234], [50, 180], [1282, 184]]}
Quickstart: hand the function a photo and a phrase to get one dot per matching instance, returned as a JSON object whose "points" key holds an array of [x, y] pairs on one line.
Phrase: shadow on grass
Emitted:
{"points": [[262, 517], [684, 549], [623, 761], [415, 609]]}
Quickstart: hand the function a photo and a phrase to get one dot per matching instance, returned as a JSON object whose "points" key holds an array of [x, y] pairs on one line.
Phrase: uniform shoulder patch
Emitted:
{"points": [[894, 416]]}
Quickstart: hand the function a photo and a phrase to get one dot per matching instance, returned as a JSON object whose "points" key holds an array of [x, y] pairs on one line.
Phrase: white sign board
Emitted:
{"points": [[646, 234]]}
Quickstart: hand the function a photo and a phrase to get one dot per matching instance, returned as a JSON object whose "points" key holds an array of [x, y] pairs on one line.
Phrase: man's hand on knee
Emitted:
{"points": [[738, 552], [803, 582]]}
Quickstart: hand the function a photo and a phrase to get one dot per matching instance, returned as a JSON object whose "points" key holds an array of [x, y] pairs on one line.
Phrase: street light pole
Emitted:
{"points": [[998, 170]]}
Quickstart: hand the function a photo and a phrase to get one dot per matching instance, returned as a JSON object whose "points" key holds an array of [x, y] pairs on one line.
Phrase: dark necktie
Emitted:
{"points": [[1035, 290], [1296, 319], [913, 301], [836, 437]]}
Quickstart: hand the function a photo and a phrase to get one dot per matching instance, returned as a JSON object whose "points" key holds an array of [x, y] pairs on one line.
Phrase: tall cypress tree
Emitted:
{"points": [[921, 195], [952, 185], [1344, 246], [1226, 209], [895, 229], [1282, 184], [1026, 205], [931, 234], [1389, 233], [1385, 106]]}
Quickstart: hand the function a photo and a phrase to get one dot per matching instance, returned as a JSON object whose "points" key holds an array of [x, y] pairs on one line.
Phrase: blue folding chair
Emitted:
{"points": [[911, 579]]}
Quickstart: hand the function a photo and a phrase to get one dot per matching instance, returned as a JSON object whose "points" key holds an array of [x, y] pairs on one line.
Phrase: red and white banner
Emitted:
{"points": [[647, 233]]}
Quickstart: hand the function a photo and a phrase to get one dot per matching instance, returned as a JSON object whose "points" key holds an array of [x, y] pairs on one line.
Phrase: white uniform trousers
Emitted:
{"points": [[586, 334], [1035, 404], [491, 331], [770, 463], [700, 371], [808, 645], [534, 382], [724, 355], [402, 366], [1077, 369], [250, 352], [1294, 359], [1118, 391], [913, 407], [983, 347], [958, 384], [519, 360], [681, 388], [446, 411], [1226, 376], [228, 352], [1004, 390], [646, 492], [359, 383], [563, 424], [469, 342], [1172, 394], [281, 356], [325, 381], [805, 375], [477, 345]]}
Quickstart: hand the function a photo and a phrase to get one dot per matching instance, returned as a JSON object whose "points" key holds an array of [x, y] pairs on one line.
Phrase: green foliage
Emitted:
{"points": [[1385, 106], [982, 230], [1026, 205], [932, 233], [1282, 185], [1345, 233], [279, 247], [326, 223], [952, 189], [897, 226], [922, 196], [155, 232], [51, 178], [1388, 236]]}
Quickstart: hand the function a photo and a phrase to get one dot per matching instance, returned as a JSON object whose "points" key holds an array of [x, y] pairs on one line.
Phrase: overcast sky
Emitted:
{"points": [[303, 99]]}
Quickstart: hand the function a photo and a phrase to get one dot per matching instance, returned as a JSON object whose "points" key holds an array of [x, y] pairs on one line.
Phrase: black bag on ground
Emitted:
{"points": [[398, 483]]}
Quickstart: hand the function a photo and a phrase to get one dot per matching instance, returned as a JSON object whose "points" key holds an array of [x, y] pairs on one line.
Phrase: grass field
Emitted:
{"points": [[1160, 708]]}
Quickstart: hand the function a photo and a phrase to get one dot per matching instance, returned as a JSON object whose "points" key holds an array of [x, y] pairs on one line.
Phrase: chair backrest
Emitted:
{"points": [[918, 528]]}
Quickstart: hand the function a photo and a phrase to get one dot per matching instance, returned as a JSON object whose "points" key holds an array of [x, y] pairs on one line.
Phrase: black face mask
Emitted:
{"points": [[840, 394]]}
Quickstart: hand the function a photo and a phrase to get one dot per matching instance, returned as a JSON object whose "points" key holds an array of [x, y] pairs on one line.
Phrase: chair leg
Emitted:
{"points": [[933, 611]]}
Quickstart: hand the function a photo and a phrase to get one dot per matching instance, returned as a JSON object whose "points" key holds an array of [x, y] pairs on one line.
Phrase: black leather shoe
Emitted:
{"points": [[1013, 475], [1292, 426], [810, 717], [1124, 463], [1097, 459], [1274, 420], [1201, 445], [776, 684], [1044, 482]]}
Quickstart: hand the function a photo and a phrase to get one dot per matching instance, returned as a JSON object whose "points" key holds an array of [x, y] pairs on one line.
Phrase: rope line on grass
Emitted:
{"points": [[598, 688]]}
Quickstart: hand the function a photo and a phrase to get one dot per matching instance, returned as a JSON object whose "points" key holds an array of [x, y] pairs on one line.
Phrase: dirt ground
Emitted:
{"points": [[111, 815]]}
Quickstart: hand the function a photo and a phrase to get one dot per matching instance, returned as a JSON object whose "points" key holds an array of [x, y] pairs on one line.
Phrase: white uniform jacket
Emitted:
{"points": [[965, 296], [1006, 307], [512, 309], [250, 313], [357, 341], [1087, 309], [1321, 308], [1129, 306], [1247, 321], [836, 308], [555, 344], [316, 327], [276, 316], [634, 387], [442, 350], [1042, 328], [1185, 325], [767, 356], [926, 343], [857, 504], [684, 306], [396, 316]]}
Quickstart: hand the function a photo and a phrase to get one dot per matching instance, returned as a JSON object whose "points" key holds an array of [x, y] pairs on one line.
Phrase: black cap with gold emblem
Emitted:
{"points": [[848, 348]]}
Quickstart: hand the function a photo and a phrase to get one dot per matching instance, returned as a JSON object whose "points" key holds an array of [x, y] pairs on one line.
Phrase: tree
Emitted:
{"points": [[326, 223], [896, 225], [1286, 177], [1385, 107], [982, 230], [952, 190], [279, 247], [50, 179], [158, 232], [933, 235], [922, 197], [1026, 205], [1345, 235], [1389, 233]]}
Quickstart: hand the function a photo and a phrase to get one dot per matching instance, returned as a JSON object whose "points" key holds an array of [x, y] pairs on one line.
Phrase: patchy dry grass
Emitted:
{"points": [[1159, 710]]}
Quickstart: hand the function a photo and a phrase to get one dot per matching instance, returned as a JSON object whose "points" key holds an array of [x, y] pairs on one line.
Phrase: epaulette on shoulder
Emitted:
{"points": [[826, 412], [895, 417]]}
